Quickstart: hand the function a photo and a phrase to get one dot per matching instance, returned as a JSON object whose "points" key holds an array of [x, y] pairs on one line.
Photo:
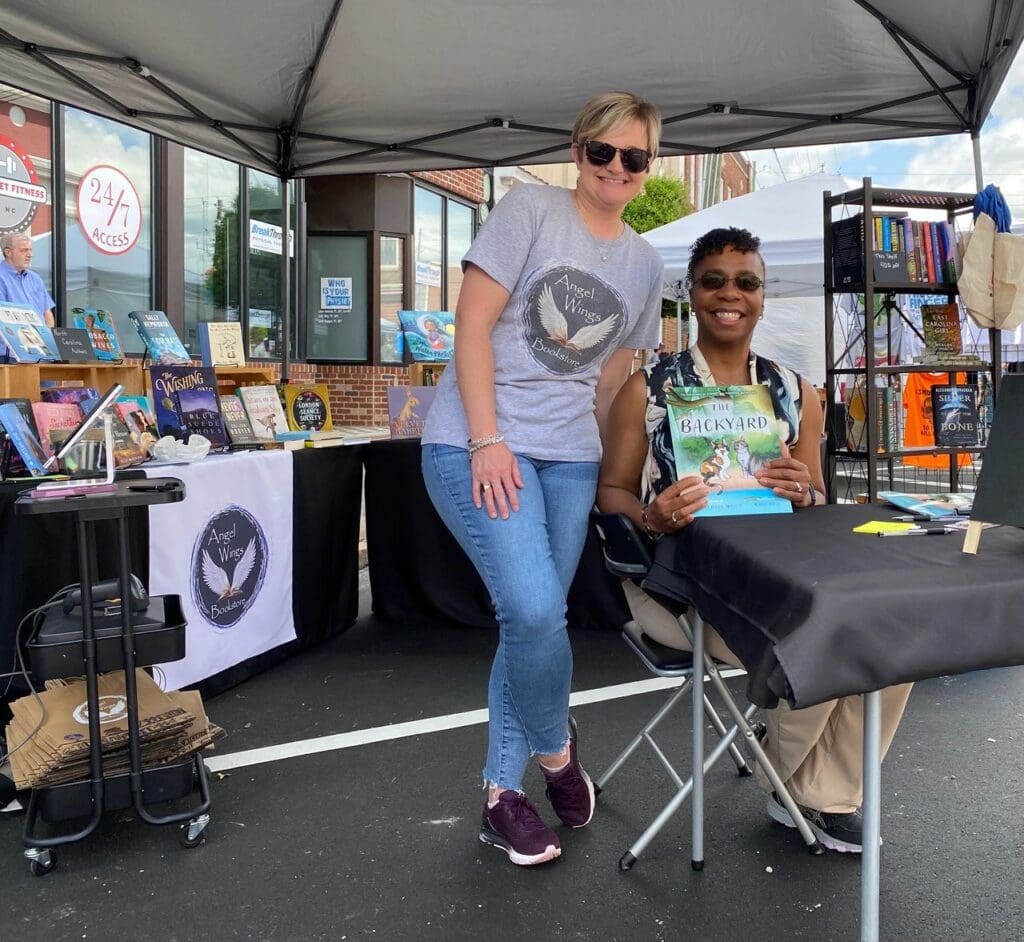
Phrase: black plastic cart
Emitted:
{"points": [[151, 635]]}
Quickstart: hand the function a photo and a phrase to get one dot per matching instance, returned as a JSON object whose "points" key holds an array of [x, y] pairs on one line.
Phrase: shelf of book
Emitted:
{"points": [[425, 374], [22, 380], [229, 378], [877, 263]]}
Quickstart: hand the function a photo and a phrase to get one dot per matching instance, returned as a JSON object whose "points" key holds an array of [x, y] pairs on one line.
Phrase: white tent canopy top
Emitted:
{"points": [[306, 87]]}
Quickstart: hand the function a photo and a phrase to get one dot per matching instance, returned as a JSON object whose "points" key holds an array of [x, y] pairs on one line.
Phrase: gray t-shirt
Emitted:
{"points": [[574, 300]]}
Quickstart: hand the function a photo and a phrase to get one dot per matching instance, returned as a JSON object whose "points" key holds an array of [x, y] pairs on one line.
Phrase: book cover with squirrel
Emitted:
{"points": [[725, 434], [407, 409]]}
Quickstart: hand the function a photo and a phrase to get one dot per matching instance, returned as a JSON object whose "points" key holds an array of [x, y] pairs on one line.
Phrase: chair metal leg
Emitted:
{"points": [[644, 734], [697, 728], [716, 721], [870, 862]]}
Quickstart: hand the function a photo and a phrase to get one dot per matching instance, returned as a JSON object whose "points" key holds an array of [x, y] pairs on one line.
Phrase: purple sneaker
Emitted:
{"points": [[570, 790], [514, 826]]}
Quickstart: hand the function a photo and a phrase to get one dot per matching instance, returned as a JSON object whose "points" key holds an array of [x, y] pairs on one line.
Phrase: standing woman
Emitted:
{"points": [[558, 293]]}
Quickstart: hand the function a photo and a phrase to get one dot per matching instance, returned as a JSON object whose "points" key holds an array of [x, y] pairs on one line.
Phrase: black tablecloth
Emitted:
{"points": [[419, 574], [815, 611], [39, 556]]}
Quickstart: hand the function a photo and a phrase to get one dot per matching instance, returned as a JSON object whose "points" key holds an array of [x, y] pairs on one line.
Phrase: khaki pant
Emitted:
{"points": [[817, 750]]}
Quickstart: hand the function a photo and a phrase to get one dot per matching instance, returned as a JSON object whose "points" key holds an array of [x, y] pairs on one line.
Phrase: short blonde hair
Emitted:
{"points": [[610, 110]]}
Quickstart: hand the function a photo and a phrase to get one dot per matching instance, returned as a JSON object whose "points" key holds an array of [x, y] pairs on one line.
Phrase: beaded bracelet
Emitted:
{"points": [[651, 534], [475, 444]]}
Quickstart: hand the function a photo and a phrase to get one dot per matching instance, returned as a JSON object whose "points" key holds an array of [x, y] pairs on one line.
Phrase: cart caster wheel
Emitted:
{"points": [[43, 863], [194, 833]]}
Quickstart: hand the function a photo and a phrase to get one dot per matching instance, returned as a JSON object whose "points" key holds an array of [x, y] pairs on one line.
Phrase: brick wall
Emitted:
{"points": [[736, 174], [469, 184]]}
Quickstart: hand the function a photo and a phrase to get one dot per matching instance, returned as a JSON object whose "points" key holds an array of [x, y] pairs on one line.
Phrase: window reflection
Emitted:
{"points": [[265, 263], [460, 235], [429, 250], [392, 294]]}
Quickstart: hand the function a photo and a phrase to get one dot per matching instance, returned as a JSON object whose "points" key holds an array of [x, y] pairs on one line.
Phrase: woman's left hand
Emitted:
{"points": [[787, 478]]}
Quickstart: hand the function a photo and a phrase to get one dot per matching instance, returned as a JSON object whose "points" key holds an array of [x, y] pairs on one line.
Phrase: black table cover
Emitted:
{"points": [[815, 611], [418, 572]]}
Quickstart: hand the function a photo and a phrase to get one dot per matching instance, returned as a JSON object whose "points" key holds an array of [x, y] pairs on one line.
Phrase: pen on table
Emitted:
{"points": [[910, 518], [921, 531]]}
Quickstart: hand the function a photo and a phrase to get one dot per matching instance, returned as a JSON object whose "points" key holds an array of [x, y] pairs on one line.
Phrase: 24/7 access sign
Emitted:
{"points": [[109, 209]]}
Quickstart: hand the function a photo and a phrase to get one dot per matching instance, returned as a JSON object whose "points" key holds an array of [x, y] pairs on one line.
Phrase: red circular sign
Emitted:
{"points": [[20, 191], [109, 209]]}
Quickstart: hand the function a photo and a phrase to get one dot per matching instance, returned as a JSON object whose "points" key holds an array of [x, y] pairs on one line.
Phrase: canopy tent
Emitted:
{"points": [[304, 87]]}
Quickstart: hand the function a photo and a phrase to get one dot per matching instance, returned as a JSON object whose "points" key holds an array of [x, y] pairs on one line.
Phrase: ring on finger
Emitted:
{"points": [[799, 488], [486, 487], [673, 517]]}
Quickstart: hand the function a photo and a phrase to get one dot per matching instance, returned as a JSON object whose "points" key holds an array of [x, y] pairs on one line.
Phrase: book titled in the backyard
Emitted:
{"points": [[955, 415], [726, 434], [162, 341]]}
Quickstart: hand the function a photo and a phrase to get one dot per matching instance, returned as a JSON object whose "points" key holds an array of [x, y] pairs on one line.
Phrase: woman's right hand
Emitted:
{"points": [[496, 479], [675, 506]]}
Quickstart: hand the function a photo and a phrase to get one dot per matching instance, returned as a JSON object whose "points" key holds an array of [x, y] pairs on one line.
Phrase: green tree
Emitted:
{"points": [[662, 200]]}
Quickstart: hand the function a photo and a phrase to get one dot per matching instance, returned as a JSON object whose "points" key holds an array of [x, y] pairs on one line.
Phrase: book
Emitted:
{"points": [[307, 407], [429, 335], [929, 505], [407, 409], [220, 343], [725, 434], [955, 415], [74, 345], [102, 332], [941, 326], [76, 395], [23, 439], [264, 410], [27, 338], [162, 341], [8, 454], [186, 401], [137, 413], [236, 424], [54, 415], [888, 414]]}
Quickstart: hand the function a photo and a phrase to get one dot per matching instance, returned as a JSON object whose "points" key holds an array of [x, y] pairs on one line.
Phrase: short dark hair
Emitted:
{"points": [[717, 241]]}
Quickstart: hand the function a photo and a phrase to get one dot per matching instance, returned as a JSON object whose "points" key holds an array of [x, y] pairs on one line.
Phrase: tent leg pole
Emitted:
{"points": [[979, 179], [286, 288]]}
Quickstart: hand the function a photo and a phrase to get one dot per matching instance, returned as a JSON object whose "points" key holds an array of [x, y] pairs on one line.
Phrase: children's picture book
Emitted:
{"points": [[137, 413], [726, 434], [102, 332], [23, 439], [26, 338], [429, 335], [264, 409], [199, 383], [955, 415], [407, 409], [941, 326], [76, 395], [220, 343], [162, 342], [236, 424], [15, 466], [74, 345], [930, 505], [51, 416], [307, 407]]}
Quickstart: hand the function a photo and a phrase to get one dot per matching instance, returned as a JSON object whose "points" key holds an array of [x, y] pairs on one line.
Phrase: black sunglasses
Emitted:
{"points": [[634, 159], [715, 281]]}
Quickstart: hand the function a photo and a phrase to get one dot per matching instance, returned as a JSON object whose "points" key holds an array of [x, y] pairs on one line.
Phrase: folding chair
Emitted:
{"points": [[627, 555]]}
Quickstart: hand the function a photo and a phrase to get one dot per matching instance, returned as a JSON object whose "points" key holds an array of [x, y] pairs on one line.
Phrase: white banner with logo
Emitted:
{"points": [[227, 551]]}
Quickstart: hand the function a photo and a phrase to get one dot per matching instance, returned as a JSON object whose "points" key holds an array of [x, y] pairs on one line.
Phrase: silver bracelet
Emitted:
{"points": [[475, 444]]}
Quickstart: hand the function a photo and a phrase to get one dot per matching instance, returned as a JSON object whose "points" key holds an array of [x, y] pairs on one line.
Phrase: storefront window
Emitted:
{"points": [[460, 235], [337, 297], [212, 242], [108, 206], [265, 263], [26, 183], [429, 207], [392, 294]]}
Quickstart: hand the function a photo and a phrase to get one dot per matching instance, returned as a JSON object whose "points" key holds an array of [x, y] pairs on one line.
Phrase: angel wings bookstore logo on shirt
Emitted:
{"points": [[570, 319], [229, 561]]}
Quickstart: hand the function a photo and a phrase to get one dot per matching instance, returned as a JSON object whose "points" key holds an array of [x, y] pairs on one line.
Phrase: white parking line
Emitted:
{"points": [[434, 724]]}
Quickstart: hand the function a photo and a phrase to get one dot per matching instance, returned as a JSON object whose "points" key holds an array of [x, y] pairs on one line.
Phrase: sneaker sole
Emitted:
{"points": [[780, 814], [520, 860]]}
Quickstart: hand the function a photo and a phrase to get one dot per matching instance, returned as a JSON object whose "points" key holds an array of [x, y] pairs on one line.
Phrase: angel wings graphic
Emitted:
{"points": [[554, 322], [217, 580]]}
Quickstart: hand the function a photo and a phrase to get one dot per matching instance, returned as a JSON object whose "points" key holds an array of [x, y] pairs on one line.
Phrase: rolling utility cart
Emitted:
{"points": [[79, 639]]}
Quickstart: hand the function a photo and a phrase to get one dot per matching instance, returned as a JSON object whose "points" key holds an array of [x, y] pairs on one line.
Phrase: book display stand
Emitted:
{"points": [[872, 384], [151, 631], [22, 380]]}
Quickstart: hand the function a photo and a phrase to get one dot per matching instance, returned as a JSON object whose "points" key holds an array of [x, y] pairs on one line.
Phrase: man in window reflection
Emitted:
{"points": [[19, 285]]}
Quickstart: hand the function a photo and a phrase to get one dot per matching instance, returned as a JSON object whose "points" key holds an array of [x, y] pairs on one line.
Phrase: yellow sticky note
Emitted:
{"points": [[884, 526]]}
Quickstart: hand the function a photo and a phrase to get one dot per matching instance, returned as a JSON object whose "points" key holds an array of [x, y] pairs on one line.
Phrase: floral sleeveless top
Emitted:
{"points": [[689, 368]]}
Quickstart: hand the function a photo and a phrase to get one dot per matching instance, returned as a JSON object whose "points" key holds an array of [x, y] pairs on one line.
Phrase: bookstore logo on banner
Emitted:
{"points": [[229, 562]]}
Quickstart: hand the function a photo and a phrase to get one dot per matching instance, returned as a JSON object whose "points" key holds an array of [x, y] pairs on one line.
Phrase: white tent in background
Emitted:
{"points": [[788, 218]]}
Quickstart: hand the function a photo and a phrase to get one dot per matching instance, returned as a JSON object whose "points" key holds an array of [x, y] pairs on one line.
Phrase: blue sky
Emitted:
{"points": [[933, 163]]}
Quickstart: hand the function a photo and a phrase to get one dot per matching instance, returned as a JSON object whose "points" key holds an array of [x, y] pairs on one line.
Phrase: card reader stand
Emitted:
{"points": [[139, 787]]}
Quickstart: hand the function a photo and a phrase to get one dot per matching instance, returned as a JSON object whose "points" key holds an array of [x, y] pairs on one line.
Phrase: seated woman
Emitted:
{"points": [[815, 750]]}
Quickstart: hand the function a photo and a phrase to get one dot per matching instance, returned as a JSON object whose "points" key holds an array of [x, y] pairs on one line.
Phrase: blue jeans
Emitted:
{"points": [[527, 564]]}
